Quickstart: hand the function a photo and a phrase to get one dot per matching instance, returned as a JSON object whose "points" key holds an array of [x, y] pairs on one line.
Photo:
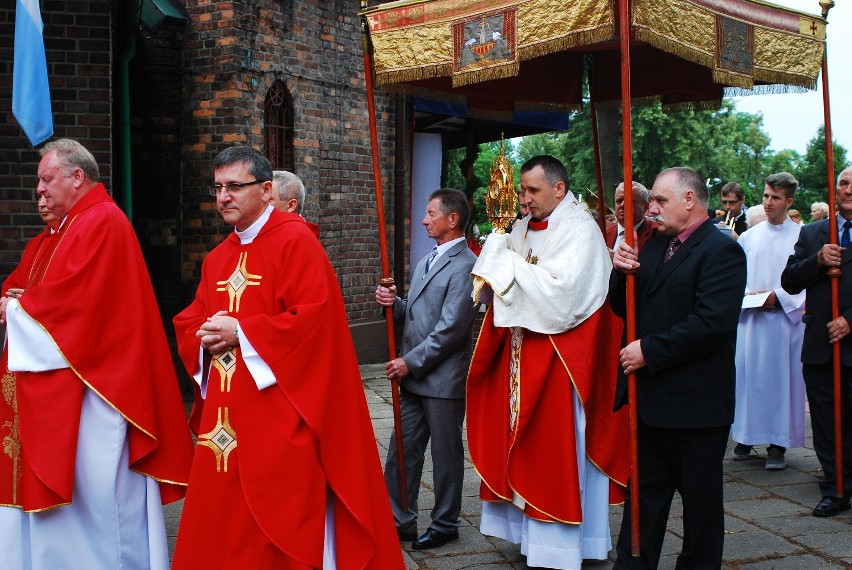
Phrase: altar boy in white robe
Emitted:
{"points": [[770, 397]]}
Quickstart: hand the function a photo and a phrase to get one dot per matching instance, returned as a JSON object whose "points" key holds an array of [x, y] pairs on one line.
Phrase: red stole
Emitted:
{"points": [[538, 460]]}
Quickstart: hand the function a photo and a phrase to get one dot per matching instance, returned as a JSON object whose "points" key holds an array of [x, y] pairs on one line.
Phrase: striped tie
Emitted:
{"points": [[430, 259]]}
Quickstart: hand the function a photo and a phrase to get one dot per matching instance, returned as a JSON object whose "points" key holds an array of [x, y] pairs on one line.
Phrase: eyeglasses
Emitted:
{"points": [[232, 187]]}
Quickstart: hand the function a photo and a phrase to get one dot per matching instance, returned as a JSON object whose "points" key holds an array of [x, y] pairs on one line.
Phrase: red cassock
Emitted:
{"points": [[537, 460], [88, 287], [267, 460]]}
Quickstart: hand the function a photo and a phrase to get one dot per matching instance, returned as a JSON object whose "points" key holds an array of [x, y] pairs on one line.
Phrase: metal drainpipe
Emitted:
{"points": [[125, 183]]}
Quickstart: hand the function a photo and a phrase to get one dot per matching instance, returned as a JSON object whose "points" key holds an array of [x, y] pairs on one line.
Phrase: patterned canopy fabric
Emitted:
{"points": [[502, 56]]}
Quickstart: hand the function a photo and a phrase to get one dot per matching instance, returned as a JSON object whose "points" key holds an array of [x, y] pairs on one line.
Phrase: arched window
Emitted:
{"points": [[278, 127]]}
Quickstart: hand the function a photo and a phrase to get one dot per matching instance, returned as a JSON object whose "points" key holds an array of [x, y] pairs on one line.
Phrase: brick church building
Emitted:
{"points": [[156, 88]]}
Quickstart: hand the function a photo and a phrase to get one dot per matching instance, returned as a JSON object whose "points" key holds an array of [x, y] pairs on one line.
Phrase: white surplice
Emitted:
{"points": [[550, 281], [770, 396], [115, 519]]}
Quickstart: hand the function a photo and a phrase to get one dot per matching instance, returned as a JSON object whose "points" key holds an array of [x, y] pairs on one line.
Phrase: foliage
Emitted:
{"points": [[723, 145]]}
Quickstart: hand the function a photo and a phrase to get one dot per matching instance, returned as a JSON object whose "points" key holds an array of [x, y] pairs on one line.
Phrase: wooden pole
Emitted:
{"points": [[627, 163], [598, 169], [834, 273], [386, 280]]}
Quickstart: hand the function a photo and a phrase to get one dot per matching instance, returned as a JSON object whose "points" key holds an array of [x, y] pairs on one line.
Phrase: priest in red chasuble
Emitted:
{"points": [[98, 424], [286, 472], [541, 431]]}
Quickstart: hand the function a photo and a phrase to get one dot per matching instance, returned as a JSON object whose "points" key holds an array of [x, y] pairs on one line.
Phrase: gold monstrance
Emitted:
{"points": [[501, 201]]}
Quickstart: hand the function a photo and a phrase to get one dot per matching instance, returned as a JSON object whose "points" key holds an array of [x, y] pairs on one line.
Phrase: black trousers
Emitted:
{"points": [[688, 461], [819, 385]]}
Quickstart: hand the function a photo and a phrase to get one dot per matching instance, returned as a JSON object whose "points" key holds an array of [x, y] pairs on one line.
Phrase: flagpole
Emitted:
{"points": [[386, 280], [834, 273], [627, 163]]}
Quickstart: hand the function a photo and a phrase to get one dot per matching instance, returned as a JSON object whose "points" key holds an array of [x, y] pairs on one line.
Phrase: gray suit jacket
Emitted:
{"points": [[437, 317]]}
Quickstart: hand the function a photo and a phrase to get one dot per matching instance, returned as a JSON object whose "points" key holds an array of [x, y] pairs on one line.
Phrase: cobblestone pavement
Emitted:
{"points": [[768, 522]]}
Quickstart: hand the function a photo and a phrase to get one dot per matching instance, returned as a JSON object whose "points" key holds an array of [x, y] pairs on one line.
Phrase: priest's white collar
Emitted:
{"points": [[247, 235]]}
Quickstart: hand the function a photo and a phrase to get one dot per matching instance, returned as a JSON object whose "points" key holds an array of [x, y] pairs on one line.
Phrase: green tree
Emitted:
{"points": [[812, 173]]}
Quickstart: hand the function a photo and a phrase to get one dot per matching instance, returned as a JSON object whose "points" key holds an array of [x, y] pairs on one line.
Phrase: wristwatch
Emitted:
{"points": [[237, 334]]}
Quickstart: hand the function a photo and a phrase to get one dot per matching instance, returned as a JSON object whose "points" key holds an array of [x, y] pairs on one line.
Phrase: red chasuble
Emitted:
{"points": [[537, 460], [89, 289], [267, 460]]}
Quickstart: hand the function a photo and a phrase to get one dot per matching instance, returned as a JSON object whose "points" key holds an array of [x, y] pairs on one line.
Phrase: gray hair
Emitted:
{"points": [[288, 186], [71, 155], [820, 207], [688, 179], [644, 193]]}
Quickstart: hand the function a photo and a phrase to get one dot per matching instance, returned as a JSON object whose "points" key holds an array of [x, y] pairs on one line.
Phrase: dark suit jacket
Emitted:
{"points": [[686, 317], [646, 231], [437, 316], [803, 272]]}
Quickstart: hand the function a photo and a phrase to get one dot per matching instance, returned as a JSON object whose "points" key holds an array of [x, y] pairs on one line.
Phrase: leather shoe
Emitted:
{"points": [[433, 539], [830, 506], [406, 536]]}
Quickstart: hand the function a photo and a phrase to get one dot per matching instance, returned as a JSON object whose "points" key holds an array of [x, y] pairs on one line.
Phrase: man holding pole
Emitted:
{"points": [[807, 269], [541, 430], [689, 284], [437, 317]]}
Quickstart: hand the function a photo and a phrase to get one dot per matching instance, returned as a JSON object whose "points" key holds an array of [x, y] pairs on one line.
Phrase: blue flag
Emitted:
{"points": [[30, 90]]}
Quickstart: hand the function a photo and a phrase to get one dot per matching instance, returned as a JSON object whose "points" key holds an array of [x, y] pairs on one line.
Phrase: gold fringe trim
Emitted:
{"points": [[773, 89], [775, 76], [732, 78], [673, 47], [498, 71], [564, 43], [413, 73]]}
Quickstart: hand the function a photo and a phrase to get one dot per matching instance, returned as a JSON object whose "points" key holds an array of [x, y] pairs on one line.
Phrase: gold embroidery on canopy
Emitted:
{"points": [[237, 283], [221, 440]]}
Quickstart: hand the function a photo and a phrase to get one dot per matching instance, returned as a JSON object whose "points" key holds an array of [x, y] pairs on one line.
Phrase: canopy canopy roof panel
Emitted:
{"points": [[503, 56]]}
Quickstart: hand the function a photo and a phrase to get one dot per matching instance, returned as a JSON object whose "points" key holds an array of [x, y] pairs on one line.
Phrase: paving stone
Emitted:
{"points": [[802, 562], [768, 522]]}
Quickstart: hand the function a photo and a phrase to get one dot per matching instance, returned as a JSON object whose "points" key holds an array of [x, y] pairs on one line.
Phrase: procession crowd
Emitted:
{"points": [[732, 334]]}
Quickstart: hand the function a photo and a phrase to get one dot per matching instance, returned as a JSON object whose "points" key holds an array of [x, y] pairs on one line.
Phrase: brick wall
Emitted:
{"points": [[78, 44], [196, 90], [233, 53]]}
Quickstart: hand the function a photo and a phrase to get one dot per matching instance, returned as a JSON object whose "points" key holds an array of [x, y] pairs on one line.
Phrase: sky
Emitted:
{"points": [[792, 119]]}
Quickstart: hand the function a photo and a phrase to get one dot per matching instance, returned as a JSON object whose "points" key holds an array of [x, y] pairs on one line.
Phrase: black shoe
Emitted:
{"points": [[433, 539], [406, 536], [830, 506]]}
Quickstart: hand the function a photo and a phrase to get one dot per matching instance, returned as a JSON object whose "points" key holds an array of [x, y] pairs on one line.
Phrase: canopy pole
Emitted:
{"points": [[387, 280], [834, 273], [598, 172], [627, 163]]}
